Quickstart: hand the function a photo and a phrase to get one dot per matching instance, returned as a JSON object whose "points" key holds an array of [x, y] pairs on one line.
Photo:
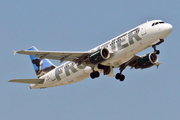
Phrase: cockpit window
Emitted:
{"points": [[157, 23], [161, 22]]}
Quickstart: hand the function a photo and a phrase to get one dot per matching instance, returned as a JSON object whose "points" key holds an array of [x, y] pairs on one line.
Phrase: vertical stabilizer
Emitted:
{"points": [[41, 67]]}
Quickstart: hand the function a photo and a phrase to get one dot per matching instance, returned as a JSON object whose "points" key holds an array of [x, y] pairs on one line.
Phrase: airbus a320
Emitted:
{"points": [[118, 52]]}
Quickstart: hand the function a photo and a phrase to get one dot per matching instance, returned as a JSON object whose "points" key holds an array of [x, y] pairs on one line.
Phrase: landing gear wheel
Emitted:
{"points": [[120, 77], [94, 74], [157, 52]]}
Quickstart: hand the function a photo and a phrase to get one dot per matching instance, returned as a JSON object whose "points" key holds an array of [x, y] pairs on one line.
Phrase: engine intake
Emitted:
{"points": [[147, 61], [99, 56]]}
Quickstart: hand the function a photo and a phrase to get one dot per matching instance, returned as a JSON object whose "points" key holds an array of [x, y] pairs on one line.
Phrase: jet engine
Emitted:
{"points": [[147, 61], [99, 56]]}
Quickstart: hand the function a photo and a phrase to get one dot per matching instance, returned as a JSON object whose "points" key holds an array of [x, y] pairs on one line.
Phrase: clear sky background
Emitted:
{"points": [[150, 94]]}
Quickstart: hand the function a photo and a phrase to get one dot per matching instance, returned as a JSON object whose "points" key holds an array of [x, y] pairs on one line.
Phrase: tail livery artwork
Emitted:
{"points": [[118, 52]]}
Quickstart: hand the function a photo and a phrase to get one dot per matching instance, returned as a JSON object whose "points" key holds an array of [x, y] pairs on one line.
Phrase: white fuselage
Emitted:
{"points": [[122, 47]]}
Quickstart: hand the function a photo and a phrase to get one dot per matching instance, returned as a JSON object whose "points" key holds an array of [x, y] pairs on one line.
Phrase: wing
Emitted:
{"points": [[56, 55], [28, 81], [132, 62], [141, 62]]}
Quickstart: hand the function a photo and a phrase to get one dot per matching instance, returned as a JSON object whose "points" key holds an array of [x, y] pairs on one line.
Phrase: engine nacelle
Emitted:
{"points": [[99, 56], [147, 61]]}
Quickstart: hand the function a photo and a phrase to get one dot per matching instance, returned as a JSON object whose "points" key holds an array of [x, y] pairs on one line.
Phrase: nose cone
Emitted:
{"points": [[166, 30], [169, 28]]}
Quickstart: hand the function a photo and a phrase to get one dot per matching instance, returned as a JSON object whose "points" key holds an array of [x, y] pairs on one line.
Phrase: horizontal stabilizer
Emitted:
{"points": [[28, 81]]}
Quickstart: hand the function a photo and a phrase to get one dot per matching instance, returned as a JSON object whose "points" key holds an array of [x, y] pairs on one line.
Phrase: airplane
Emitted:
{"points": [[118, 52]]}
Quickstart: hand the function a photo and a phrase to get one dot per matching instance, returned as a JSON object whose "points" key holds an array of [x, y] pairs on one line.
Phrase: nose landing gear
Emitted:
{"points": [[155, 51], [154, 46]]}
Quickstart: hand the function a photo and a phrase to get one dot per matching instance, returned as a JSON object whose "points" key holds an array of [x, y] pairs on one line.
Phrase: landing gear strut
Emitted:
{"points": [[120, 76], [155, 51], [154, 46]]}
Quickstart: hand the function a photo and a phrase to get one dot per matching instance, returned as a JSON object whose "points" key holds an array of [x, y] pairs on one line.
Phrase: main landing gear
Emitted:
{"points": [[154, 46], [120, 76], [94, 74]]}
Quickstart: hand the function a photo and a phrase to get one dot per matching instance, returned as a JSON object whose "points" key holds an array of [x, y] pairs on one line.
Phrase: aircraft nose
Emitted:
{"points": [[166, 30], [169, 27]]}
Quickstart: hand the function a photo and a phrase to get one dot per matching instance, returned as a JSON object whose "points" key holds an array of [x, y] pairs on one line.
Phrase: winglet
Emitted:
{"points": [[14, 52], [157, 64]]}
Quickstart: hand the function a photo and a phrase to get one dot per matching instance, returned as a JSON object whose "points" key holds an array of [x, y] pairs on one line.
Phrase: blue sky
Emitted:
{"points": [[79, 26]]}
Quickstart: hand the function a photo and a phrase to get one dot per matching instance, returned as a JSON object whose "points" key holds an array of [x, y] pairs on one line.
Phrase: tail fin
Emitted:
{"points": [[41, 67]]}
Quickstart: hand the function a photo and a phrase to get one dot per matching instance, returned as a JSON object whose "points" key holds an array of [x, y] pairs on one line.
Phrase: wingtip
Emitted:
{"points": [[14, 52], [158, 65], [10, 81]]}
